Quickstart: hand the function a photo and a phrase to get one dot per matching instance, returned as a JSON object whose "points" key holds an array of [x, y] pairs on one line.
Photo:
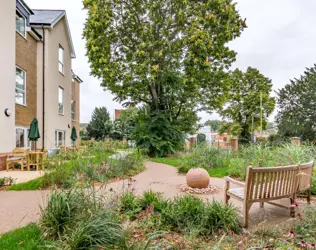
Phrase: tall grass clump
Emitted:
{"points": [[62, 209], [100, 230], [77, 219], [186, 214]]}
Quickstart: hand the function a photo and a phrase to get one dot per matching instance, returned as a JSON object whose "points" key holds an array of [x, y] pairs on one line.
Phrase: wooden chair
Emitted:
{"points": [[18, 156], [305, 174], [35, 159], [264, 185]]}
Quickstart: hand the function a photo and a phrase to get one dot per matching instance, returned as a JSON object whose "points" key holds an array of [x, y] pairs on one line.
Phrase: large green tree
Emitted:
{"points": [[297, 107], [134, 46], [169, 55], [243, 100], [100, 125]]}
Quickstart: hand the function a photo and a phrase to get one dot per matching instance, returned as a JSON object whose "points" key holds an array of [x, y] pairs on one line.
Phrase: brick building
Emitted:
{"points": [[36, 77]]}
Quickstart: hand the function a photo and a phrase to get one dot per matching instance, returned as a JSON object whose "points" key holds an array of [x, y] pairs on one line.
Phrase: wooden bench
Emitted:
{"points": [[270, 184], [18, 156]]}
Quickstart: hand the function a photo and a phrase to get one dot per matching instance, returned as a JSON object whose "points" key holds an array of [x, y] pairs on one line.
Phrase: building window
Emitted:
{"points": [[61, 59], [73, 110], [20, 23], [21, 137], [20, 86], [60, 136], [60, 100]]}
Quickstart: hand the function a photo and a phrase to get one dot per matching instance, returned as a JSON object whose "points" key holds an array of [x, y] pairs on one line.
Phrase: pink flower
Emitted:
{"points": [[311, 246], [302, 243], [295, 204], [291, 234]]}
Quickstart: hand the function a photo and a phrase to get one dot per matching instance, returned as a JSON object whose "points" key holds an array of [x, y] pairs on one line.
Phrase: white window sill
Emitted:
{"points": [[23, 105]]}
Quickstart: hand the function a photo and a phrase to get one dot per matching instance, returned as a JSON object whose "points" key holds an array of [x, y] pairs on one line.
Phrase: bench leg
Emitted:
{"points": [[261, 204], [247, 206], [292, 209], [308, 195], [226, 197]]}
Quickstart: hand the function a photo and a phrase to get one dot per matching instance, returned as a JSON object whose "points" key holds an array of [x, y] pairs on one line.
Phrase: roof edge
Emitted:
{"points": [[63, 14], [26, 7]]}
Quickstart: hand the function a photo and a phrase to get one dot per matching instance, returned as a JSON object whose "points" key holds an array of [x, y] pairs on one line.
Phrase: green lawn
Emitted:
{"points": [[30, 185], [25, 238], [177, 162]]}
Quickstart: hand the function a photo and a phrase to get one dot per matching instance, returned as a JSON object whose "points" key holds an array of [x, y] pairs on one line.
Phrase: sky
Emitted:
{"points": [[280, 41]]}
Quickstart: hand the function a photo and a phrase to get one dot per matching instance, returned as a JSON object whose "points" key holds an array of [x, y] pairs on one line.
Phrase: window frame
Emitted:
{"points": [[73, 112], [18, 13], [57, 143], [61, 63], [26, 143], [24, 91], [63, 111]]}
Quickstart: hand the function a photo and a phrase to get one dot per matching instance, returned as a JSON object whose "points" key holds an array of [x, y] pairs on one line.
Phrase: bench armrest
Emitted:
{"points": [[231, 180]]}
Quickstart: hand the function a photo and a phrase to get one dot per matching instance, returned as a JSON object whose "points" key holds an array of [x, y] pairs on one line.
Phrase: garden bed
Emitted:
{"points": [[78, 219]]}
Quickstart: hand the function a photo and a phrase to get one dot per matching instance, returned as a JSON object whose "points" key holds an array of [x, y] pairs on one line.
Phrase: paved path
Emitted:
{"points": [[21, 176], [20, 208]]}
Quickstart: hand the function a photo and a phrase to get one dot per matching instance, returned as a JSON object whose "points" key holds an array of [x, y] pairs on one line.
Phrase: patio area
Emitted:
{"points": [[21, 176]]}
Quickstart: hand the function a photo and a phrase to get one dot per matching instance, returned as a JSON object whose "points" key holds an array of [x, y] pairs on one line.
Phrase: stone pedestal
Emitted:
{"points": [[234, 144], [296, 140]]}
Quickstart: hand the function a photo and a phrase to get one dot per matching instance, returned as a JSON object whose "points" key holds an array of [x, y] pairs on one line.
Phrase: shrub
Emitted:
{"points": [[191, 215], [157, 135], [155, 199], [100, 230], [221, 217], [130, 205], [61, 177], [184, 214], [6, 181]]}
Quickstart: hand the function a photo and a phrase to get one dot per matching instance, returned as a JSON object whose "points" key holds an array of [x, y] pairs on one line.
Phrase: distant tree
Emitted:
{"points": [[243, 100], [124, 126], [231, 128], [214, 124], [297, 107], [100, 125]]}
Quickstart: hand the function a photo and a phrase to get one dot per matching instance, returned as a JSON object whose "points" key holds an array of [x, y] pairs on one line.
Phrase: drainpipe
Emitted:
{"points": [[43, 68]]}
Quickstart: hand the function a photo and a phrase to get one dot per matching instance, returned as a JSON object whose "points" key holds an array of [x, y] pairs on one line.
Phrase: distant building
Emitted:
{"points": [[117, 114]]}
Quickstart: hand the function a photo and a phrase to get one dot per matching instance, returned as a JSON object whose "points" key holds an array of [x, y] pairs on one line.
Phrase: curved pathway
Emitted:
{"points": [[18, 208]]}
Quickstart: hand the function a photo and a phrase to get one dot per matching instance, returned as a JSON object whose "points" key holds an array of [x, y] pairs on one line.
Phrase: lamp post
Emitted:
{"points": [[252, 125]]}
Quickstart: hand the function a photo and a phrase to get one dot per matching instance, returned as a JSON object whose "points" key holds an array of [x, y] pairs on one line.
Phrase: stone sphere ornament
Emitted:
{"points": [[198, 178]]}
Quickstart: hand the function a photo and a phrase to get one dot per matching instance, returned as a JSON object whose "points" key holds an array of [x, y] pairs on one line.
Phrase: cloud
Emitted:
{"points": [[279, 41]]}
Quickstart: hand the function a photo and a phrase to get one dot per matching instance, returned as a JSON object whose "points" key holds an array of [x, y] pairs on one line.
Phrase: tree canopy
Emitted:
{"points": [[297, 107], [171, 56], [100, 125], [214, 124], [136, 46], [243, 100]]}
